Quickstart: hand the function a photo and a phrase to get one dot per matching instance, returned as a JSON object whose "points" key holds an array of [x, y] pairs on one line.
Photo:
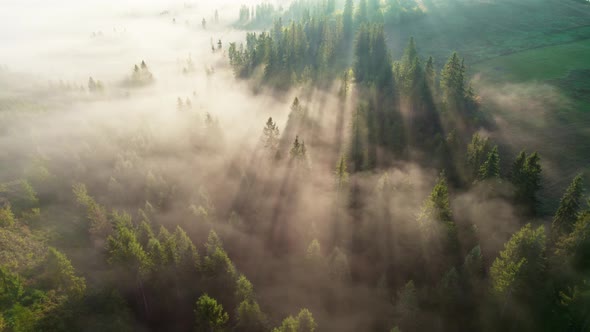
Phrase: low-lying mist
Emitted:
{"points": [[137, 101]]}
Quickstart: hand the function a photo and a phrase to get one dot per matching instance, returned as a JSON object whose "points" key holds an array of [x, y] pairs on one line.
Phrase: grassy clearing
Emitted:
{"points": [[539, 64], [485, 29]]}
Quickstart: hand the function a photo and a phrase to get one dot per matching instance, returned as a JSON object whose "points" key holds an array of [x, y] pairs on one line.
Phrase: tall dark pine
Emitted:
{"points": [[526, 178], [491, 167], [347, 21]]}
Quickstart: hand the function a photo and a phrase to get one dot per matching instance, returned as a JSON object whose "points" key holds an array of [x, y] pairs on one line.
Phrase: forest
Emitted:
{"points": [[295, 166]]}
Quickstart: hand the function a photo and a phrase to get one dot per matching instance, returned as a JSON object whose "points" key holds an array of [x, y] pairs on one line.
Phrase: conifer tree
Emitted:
{"points": [[210, 316], [341, 173], [430, 75], [491, 167], [347, 20], [452, 81], [569, 208], [271, 137], [526, 178]]}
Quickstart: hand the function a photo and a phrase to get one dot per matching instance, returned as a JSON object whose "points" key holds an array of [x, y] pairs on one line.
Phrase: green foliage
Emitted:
{"points": [[347, 20], [304, 322], [125, 250], [372, 60], [474, 265], [260, 16], [289, 324], [569, 207], [437, 207], [188, 257], [341, 173], [61, 274], [250, 318], [244, 289], [213, 243], [526, 178], [430, 75], [217, 264], [20, 250], [408, 75], [361, 16], [476, 152], [302, 51], [144, 233], [358, 142], [521, 264], [271, 137], [576, 304], [491, 167], [575, 246], [209, 314], [29, 194], [23, 319], [98, 223], [11, 288], [452, 81], [6, 217], [406, 304], [396, 12], [156, 253]]}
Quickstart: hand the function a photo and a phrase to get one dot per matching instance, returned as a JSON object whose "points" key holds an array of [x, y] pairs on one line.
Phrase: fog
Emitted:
{"points": [[55, 132]]}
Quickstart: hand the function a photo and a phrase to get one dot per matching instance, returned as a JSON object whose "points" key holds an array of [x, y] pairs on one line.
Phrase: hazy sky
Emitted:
{"points": [[54, 38]]}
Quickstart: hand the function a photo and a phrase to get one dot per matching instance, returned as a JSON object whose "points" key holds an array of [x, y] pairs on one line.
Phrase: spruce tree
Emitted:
{"points": [[569, 208], [271, 137], [491, 167]]}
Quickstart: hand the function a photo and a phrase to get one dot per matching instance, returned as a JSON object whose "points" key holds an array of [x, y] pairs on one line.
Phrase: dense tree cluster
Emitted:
{"points": [[257, 16], [407, 217]]}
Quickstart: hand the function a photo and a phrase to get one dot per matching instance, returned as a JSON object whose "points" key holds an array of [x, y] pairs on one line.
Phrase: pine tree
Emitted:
{"points": [[347, 21], [358, 140], [430, 75], [341, 173], [436, 212], [361, 13], [569, 209], [250, 318], [304, 322], [362, 55], [244, 289], [491, 167], [526, 178], [7, 218], [476, 152], [271, 137], [373, 12], [298, 150], [410, 71], [575, 246], [124, 250], [61, 274], [210, 316], [452, 81], [518, 272]]}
